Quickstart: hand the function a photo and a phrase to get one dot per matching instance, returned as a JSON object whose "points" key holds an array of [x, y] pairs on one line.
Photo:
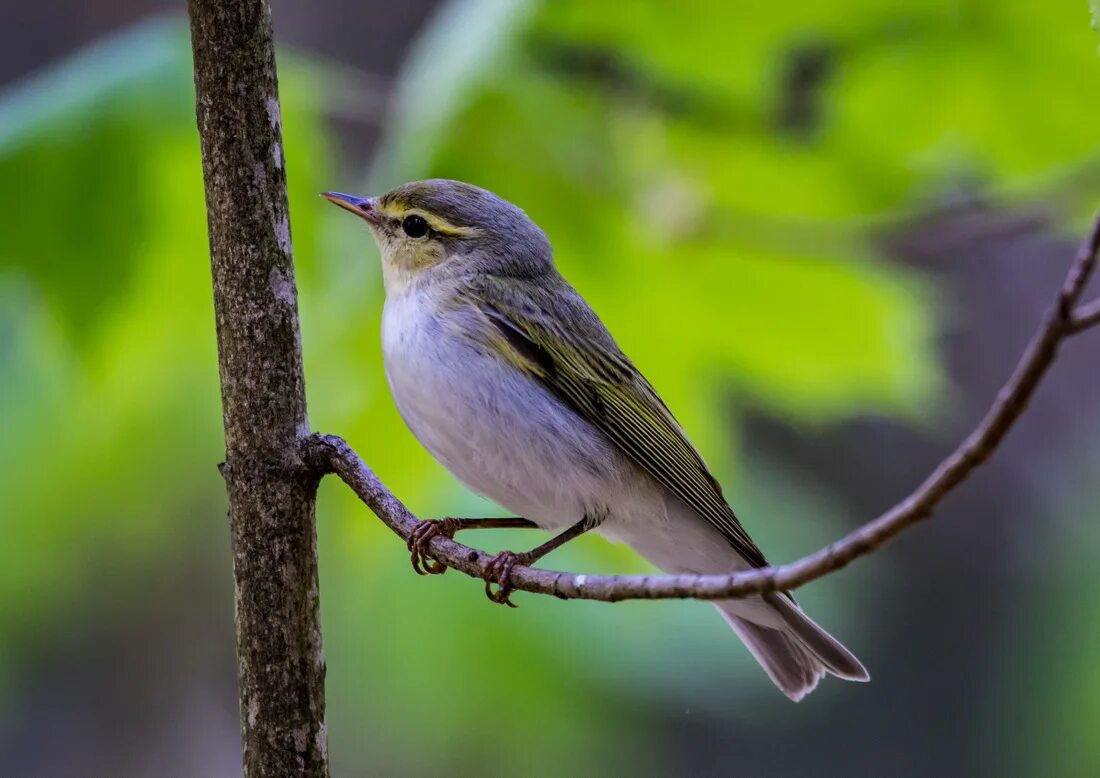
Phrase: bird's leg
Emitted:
{"points": [[499, 568], [426, 530]]}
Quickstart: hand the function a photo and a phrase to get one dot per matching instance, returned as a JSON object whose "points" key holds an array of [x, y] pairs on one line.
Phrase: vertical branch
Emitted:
{"points": [[280, 665]]}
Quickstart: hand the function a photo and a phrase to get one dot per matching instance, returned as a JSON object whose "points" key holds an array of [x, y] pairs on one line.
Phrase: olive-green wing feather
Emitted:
{"points": [[548, 331]]}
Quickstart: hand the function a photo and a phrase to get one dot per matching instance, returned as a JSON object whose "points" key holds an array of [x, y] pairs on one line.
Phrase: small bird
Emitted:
{"points": [[507, 376]]}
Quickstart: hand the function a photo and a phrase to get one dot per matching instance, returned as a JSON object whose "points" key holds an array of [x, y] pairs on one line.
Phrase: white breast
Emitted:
{"points": [[508, 438], [495, 429]]}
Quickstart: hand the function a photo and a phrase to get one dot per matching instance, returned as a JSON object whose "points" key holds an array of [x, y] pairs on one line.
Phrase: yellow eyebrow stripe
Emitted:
{"points": [[446, 228], [437, 224]]}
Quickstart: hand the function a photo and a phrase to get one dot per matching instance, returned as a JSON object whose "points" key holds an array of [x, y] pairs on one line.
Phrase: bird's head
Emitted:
{"points": [[440, 223]]}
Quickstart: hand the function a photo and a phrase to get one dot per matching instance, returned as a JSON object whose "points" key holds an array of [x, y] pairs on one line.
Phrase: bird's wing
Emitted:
{"points": [[562, 344]]}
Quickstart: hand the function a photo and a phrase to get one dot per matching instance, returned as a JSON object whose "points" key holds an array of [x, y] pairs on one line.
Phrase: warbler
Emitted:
{"points": [[508, 378]]}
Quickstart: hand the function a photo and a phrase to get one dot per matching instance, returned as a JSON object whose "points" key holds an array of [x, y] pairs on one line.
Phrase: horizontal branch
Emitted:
{"points": [[331, 454]]}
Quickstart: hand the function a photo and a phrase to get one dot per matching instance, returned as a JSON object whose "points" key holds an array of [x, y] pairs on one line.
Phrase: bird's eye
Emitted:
{"points": [[415, 226]]}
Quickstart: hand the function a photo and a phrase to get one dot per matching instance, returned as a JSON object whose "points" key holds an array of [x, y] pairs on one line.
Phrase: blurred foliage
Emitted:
{"points": [[706, 173], [110, 407], [1060, 630]]}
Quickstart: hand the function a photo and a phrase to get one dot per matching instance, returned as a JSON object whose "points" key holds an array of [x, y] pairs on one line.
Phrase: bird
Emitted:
{"points": [[506, 375]]}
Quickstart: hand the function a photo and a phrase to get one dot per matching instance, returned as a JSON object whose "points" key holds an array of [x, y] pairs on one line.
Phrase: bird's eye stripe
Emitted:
{"points": [[436, 225]]}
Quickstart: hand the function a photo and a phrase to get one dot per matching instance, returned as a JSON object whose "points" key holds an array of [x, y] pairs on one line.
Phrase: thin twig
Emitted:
{"points": [[328, 453], [1085, 316]]}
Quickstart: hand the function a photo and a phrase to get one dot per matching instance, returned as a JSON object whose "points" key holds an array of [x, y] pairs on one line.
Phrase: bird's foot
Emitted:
{"points": [[418, 545], [499, 570]]}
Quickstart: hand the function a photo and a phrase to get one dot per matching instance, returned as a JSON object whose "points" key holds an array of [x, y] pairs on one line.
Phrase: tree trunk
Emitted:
{"points": [[280, 665]]}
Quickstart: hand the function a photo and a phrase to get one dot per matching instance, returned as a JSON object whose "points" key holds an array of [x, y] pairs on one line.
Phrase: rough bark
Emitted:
{"points": [[281, 667]]}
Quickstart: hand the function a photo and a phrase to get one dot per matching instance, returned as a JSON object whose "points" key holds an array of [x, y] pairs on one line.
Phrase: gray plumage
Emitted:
{"points": [[507, 376]]}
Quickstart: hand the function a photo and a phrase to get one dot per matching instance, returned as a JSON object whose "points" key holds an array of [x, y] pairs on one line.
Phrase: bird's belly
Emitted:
{"points": [[506, 437], [498, 431]]}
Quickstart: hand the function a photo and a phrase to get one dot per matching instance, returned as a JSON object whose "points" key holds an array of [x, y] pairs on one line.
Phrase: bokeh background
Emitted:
{"points": [[824, 231]]}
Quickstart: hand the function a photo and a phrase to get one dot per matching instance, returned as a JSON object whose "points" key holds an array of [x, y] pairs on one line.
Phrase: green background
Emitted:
{"points": [[738, 190]]}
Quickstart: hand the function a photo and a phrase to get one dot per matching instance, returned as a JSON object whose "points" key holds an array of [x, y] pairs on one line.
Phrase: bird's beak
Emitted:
{"points": [[364, 207]]}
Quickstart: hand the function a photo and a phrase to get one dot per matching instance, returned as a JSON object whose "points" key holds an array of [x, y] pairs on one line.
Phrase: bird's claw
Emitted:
{"points": [[499, 570], [418, 545]]}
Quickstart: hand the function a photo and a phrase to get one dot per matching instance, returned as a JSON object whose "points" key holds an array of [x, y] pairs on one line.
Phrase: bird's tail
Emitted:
{"points": [[796, 654]]}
